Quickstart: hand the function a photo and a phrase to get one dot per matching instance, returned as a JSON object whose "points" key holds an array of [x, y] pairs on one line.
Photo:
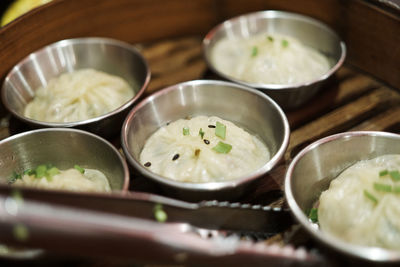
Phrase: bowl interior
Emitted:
{"points": [[247, 108], [316, 166], [309, 31], [102, 54], [62, 148]]}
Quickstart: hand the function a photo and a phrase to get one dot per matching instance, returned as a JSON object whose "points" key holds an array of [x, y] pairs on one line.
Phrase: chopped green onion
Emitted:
{"points": [[15, 176], [383, 173], [382, 187], [17, 196], [159, 214], [285, 43], [21, 232], [313, 215], [222, 148], [201, 133], [254, 51], [79, 168], [40, 171], [396, 189], [186, 131], [395, 175], [370, 197], [29, 172], [220, 130], [270, 38], [53, 171]]}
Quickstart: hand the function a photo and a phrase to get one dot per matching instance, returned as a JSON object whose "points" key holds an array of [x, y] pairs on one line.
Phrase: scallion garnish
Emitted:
{"points": [[254, 51], [396, 189], [79, 168], [53, 171], [40, 171], [186, 131], [285, 43], [370, 197], [29, 172], [220, 130], [270, 38], [201, 133], [313, 215], [395, 175], [15, 176], [159, 213], [383, 173], [222, 148], [382, 187]]}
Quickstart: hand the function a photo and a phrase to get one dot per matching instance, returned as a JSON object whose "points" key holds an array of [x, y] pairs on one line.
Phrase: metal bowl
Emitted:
{"points": [[312, 170], [307, 30], [63, 148], [244, 106], [108, 55]]}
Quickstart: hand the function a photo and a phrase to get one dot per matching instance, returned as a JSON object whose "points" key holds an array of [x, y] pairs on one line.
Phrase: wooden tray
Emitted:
{"points": [[169, 34]]}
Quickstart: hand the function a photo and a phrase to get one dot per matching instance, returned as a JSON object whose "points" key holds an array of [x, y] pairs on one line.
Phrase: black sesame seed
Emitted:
{"points": [[147, 164], [176, 156], [211, 126], [206, 142]]}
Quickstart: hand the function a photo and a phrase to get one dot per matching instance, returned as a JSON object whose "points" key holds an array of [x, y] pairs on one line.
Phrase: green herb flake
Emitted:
{"points": [[382, 187], [53, 171], [201, 133], [383, 173], [395, 175], [254, 51], [79, 168], [29, 172], [159, 214], [17, 196], [14, 176], [222, 148], [313, 215], [396, 189], [40, 171], [270, 38], [186, 131], [220, 130], [285, 43], [370, 197], [20, 232]]}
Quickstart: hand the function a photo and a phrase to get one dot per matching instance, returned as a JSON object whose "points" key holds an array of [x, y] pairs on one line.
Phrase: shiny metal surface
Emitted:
{"points": [[312, 170], [246, 107], [309, 31], [108, 55], [63, 148]]}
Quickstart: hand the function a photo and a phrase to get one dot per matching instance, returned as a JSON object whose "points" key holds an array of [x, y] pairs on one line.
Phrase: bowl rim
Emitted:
{"points": [[125, 184], [209, 186], [64, 43], [367, 253], [271, 14]]}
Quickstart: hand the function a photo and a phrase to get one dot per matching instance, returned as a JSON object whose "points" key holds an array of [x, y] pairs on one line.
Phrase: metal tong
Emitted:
{"points": [[123, 225]]}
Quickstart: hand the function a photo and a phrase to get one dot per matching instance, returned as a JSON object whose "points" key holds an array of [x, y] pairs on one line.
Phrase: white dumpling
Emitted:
{"points": [[248, 153]]}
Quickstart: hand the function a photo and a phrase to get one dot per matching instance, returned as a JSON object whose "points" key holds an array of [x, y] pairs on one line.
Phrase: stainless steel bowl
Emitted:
{"points": [[309, 31], [312, 170], [108, 55], [63, 148], [244, 106]]}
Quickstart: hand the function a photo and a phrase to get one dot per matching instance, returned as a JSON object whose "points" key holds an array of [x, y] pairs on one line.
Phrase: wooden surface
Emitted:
{"points": [[372, 35], [169, 34]]}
